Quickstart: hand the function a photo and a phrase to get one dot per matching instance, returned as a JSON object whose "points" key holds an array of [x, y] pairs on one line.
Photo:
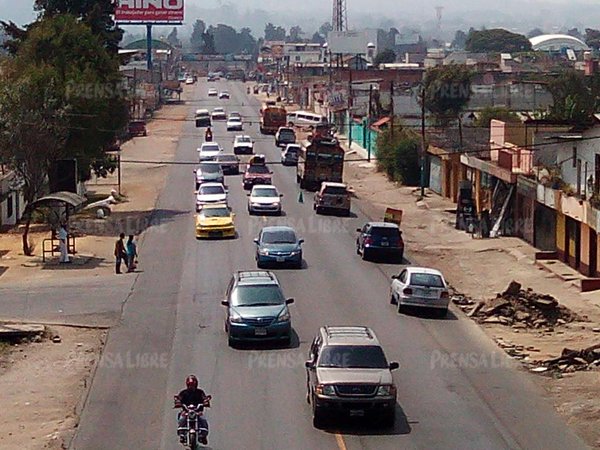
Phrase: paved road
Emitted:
{"points": [[172, 326]]}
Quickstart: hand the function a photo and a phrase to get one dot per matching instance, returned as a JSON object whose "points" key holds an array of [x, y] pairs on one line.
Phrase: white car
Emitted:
{"points": [[218, 114], [189, 80], [224, 95], [243, 145], [209, 151], [212, 92], [234, 124], [420, 287], [264, 198], [209, 194]]}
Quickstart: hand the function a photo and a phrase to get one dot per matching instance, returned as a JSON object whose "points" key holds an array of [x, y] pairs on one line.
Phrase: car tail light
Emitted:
{"points": [[407, 291], [368, 240], [445, 294]]}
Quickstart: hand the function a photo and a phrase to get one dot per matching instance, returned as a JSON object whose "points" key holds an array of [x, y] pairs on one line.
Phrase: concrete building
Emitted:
{"points": [[12, 201]]}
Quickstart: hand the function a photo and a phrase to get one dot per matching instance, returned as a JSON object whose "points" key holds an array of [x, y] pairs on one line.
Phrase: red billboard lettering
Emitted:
{"points": [[149, 11]]}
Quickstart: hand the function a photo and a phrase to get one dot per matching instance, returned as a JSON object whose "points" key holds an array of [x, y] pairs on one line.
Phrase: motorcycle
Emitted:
{"points": [[192, 431], [248, 90], [208, 137]]}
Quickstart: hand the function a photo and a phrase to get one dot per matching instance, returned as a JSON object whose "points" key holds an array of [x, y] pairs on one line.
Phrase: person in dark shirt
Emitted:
{"points": [[192, 395]]}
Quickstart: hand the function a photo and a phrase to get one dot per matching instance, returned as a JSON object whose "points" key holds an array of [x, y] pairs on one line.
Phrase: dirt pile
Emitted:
{"points": [[571, 361]]}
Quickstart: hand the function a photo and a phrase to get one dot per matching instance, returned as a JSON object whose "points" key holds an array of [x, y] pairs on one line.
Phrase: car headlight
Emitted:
{"points": [[325, 389], [275, 204], [235, 318], [284, 316], [263, 252], [296, 252], [386, 390]]}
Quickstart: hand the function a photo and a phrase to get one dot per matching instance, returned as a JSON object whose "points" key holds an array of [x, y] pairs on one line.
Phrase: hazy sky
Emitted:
{"points": [[520, 15]]}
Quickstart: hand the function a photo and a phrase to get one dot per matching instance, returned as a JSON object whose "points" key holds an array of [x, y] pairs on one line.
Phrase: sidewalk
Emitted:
{"points": [[141, 185], [481, 268]]}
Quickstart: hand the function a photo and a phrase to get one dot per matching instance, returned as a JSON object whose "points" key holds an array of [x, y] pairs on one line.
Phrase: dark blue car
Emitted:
{"points": [[278, 245]]}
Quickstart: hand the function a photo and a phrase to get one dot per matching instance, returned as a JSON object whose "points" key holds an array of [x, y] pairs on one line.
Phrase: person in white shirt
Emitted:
{"points": [[62, 237]]}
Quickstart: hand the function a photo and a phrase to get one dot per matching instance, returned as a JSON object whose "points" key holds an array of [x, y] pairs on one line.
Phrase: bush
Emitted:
{"points": [[399, 157]]}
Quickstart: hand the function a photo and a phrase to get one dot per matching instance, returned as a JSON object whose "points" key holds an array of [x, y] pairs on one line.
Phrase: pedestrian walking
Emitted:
{"points": [[63, 237], [131, 254], [120, 253]]}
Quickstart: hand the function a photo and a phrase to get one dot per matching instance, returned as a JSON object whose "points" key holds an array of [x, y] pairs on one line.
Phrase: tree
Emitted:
{"points": [[398, 155], [62, 82], [273, 33], [97, 14], [575, 33], [197, 37], [173, 39], [209, 47], [295, 34], [497, 40], [573, 99], [446, 91], [495, 112], [534, 33], [317, 38], [325, 29], [246, 42], [592, 38], [460, 39], [225, 39], [385, 56]]}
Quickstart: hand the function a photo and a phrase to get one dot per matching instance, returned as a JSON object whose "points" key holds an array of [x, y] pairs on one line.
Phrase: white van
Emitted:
{"points": [[303, 118]]}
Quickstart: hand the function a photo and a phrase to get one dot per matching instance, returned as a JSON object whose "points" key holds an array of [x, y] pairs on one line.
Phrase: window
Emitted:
{"points": [[353, 356], [402, 276], [298, 58], [257, 295], [9, 206], [427, 280]]}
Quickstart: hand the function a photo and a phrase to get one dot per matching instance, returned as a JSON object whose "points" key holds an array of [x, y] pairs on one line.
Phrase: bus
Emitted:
{"points": [[272, 117], [320, 159]]}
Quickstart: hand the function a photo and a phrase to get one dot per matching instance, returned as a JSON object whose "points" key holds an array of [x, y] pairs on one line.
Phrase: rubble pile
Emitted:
{"points": [[518, 308], [571, 361]]}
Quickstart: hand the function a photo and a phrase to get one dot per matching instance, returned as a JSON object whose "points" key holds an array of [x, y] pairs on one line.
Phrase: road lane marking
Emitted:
{"points": [[339, 439]]}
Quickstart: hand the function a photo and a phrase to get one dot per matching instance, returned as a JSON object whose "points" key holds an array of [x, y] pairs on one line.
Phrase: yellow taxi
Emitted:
{"points": [[215, 221]]}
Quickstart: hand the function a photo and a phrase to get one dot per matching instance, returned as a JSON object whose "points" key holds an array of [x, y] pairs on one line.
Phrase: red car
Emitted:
{"points": [[137, 128], [256, 174]]}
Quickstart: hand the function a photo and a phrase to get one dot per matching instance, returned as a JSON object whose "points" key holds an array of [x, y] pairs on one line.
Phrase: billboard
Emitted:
{"points": [[149, 11], [348, 42]]}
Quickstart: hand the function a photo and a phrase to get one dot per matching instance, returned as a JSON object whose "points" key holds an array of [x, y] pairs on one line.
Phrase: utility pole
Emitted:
{"points": [[350, 120], [422, 155], [369, 121], [392, 113]]}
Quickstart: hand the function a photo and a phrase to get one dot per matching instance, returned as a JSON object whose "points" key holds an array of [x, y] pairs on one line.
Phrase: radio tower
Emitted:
{"points": [[438, 13], [340, 15]]}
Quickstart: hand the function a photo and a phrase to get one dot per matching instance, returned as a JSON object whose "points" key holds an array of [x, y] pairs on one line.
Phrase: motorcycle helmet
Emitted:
{"points": [[191, 382]]}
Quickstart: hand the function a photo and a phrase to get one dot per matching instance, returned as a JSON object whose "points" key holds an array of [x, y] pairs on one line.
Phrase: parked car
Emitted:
{"points": [[209, 172], [202, 118], [208, 151], [264, 198], [234, 124], [218, 114], [224, 95], [256, 174], [137, 128], [347, 373], [230, 164], [210, 193], [332, 197], [380, 239], [289, 156], [284, 136], [257, 310], [278, 245], [215, 221], [189, 80], [243, 145], [212, 92], [422, 288]]}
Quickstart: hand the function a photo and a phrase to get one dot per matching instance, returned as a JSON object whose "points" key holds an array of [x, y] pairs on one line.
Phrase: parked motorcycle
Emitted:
{"points": [[193, 431]]}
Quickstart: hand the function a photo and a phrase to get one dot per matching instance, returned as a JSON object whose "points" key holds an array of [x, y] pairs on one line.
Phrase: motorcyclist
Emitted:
{"points": [[192, 395], [208, 135]]}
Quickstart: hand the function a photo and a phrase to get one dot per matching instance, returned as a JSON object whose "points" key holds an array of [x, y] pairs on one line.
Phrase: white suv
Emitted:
{"points": [[264, 198], [347, 373]]}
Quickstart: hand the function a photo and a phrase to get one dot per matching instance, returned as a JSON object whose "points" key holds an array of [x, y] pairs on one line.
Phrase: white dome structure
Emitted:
{"points": [[557, 42]]}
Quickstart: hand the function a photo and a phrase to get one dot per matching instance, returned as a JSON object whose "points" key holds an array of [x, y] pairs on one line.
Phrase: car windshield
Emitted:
{"points": [[257, 295], [265, 192], [353, 356], [216, 212], [235, 119], [210, 168], [210, 148], [335, 190], [427, 280], [287, 133], [211, 190], [244, 139], [292, 150], [258, 169], [385, 232], [218, 110], [235, 114], [279, 237], [227, 158]]}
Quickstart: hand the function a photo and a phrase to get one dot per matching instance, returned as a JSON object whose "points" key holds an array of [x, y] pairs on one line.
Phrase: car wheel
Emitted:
{"points": [[364, 254], [357, 249], [393, 300], [389, 419], [347, 213], [318, 414], [401, 308], [259, 264], [440, 313], [287, 341], [318, 210], [400, 258]]}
